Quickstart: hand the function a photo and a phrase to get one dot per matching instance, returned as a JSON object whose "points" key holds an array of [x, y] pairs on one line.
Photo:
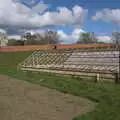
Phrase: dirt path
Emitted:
{"points": [[20, 100]]}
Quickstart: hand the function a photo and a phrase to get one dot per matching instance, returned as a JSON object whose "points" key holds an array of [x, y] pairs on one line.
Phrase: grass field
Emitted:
{"points": [[12, 59], [107, 95]]}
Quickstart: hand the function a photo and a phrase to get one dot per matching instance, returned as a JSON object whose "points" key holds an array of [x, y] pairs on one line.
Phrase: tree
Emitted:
{"points": [[116, 37], [29, 39], [14, 42], [87, 38], [49, 37]]}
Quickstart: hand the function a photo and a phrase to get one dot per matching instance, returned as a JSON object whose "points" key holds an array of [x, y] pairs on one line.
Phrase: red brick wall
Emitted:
{"points": [[83, 46], [24, 48]]}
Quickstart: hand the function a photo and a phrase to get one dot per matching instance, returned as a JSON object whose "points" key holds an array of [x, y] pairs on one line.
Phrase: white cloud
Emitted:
{"points": [[15, 14], [2, 31], [16, 37], [63, 36], [104, 38], [39, 31], [108, 15], [40, 7], [70, 38]]}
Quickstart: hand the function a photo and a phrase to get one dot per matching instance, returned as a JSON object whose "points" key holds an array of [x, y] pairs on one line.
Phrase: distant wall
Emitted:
{"points": [[83, 46], [24, 48], [44, 47]]}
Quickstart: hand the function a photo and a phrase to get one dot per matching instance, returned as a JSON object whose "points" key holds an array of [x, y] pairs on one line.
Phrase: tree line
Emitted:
{"points": [[51, 37]]}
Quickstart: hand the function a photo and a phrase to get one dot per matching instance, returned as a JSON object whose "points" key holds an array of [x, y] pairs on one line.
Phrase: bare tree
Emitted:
{"points": [[50, 37], [87, 38], [116, 37]]}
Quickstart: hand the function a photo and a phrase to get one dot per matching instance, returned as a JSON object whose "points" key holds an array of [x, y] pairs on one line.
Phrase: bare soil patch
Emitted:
{"points": [[20, 100]]}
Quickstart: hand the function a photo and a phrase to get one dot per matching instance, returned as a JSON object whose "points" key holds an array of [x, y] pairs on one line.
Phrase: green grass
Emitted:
{"points": [[12, 59], [107, 95]]}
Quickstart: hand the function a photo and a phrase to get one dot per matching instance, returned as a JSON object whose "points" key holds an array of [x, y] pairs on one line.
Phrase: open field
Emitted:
{"points": [[107, 95], [12, 59]]}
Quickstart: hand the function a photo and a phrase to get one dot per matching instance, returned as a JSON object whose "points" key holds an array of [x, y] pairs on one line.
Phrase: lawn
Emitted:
{"points": [[12, 59], [107, 95]]}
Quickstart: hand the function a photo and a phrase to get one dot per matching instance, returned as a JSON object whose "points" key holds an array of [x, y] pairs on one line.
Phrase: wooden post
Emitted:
{"points": [[117, 78], [97, 77], [117, 75]]}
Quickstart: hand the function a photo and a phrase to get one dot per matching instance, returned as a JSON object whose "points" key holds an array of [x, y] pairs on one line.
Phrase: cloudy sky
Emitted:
{"points": [[69, 17]]}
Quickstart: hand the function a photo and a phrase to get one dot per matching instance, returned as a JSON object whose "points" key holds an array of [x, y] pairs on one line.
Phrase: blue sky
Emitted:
{"points": [[99, 27]]}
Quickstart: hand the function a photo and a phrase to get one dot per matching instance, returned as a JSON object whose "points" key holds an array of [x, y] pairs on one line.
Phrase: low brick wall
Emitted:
{"points": [[44, 47], [83, 46], [24, 48]]}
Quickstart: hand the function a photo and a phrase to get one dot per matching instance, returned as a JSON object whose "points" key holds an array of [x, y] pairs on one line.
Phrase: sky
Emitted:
{"points": [[69, 18]]}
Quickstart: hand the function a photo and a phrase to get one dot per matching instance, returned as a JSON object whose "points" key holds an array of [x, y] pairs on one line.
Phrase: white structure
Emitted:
{"points": [[3, 39]]}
